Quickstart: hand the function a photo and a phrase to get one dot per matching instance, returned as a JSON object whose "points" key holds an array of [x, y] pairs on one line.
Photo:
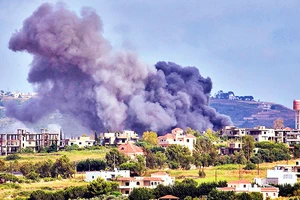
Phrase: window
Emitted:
{"points": [[274, 194], [93, 177], [122, 148], [89, 143], [79, 143], [174, 140], [126, 192], [244, 186], [187, 140], [267, 194], [138, 183], [123, 140], [127, 184]]}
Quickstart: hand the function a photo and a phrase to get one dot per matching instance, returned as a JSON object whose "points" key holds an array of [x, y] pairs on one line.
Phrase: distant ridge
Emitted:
{"points": [[247, 114]]}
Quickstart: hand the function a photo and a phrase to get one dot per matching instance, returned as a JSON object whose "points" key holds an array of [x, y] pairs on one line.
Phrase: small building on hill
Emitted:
{"points": [[177, 137], [131, 150], [240, 186], [106, 175]]}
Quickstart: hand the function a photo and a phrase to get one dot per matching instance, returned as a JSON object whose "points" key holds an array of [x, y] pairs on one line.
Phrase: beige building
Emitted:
{"points": [[128, 183], [82, 141], [177, 137], [118, 138], [15, 142]]}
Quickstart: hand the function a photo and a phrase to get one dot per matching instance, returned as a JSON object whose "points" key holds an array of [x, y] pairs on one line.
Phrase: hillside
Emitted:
{"points": [[251, 113]]}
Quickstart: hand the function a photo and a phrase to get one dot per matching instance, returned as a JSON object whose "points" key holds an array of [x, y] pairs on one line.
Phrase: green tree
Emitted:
{"points": [[256, 196], [114, 158], [248, 146], [191, 131], [150, 137], [141, 194], [44, 168], [250, 166], [178, 155], [62, 167], [296, 152], [140, 167], [160, 159], [26, 167], [205, 152], [100, 186]]}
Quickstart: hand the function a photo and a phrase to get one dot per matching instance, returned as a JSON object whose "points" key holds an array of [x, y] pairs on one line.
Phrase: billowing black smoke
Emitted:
{"points": [[77, 73]]}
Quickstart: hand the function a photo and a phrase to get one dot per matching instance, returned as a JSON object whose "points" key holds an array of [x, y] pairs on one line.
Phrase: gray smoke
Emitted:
{"points": [[77, 73]]}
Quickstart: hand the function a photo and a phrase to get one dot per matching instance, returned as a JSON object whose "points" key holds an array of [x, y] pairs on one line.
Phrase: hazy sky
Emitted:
{"points": [[249, 47]]}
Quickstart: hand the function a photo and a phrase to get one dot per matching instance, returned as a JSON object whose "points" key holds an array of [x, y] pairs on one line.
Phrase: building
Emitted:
{"points": [[106, 175], [118, 138], [15, 142], [82, 141], [280, 175], [131, 150], [240, 186], [128, 183], [177, 137], [261, 133]]}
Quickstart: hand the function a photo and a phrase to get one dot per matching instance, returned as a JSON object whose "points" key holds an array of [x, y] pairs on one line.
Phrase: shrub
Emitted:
{"points": [[9, 177], [75, 192], [33, 176], [27, 150], [12, 157], [11, 185], [72, 147], [250, 166], [201, 173]]}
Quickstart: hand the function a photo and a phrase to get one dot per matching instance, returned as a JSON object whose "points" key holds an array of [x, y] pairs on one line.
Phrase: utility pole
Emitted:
{"points": [[216, 176]]}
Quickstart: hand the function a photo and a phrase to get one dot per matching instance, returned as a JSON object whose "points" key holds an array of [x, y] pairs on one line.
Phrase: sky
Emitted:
{"points": [[248, 47]]}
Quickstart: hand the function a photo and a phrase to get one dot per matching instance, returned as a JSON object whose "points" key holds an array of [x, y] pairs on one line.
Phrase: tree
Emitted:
{"points": [[248, 146], [191, 131], [150, 137], [278, 124], [114, 158], [178, 155], [140, 167], [160, 159], [211, 135], [100, 186], [205, 152], [62, 167], [141, 194], [44, 168], [26, 168], [296, 152]]}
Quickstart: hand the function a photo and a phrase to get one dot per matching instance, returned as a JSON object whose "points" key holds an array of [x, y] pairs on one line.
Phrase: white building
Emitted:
{"points": [[106, 175], [177, 137], [83, 141], [281, 174], [118, 138], [128, 183], [240, 186]]}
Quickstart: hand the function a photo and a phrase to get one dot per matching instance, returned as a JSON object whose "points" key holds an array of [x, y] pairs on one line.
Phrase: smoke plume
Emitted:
{"points": [[77, 73]]}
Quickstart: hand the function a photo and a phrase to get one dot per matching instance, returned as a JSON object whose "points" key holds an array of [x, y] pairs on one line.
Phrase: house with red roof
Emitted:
{"points": [[178, 136], [131, 150], [126, 184], [239, 186]]}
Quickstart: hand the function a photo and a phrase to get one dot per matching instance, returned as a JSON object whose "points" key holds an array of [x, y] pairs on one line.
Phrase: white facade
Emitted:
{"points": [[246, 186], [281, 174], [118, 137], [177, 137], [83, 141], [128, 183], [106, 175]]}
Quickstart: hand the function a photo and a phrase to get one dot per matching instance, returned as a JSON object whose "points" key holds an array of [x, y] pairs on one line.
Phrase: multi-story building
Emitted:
{"points": [[177, 137], [128, 183], [118, 138], [106, 175], [82, 141], [261, 133], [240, 186], [15, 142]]}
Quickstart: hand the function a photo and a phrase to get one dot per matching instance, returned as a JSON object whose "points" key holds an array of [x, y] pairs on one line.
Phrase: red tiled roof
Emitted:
{"points": [[167, 136], [168, 197], [190, 136], [271, 189], [239, 182], [129, 148], [152, 179]]}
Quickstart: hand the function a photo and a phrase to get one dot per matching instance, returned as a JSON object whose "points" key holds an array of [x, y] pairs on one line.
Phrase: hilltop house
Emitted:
{"points": [[82, 141], [118, 138], [131, 150], [128, 183], [177, 137], [246, 186], [106, 175]]}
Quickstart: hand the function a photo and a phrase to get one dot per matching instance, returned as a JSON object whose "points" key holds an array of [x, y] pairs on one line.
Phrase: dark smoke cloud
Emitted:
{"points": [[77, 73]]}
